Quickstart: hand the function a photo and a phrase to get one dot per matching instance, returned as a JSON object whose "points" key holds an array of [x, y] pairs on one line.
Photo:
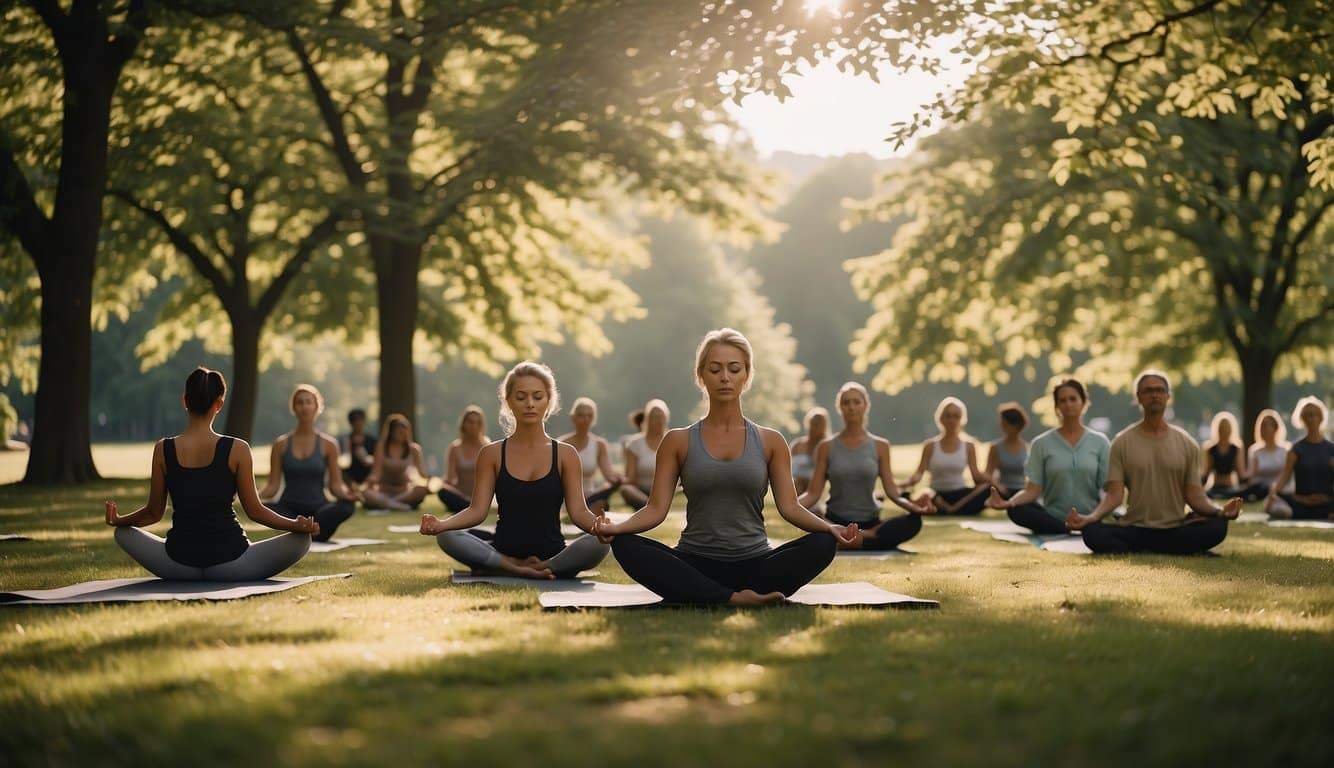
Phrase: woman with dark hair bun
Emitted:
{"points": [[202, 471], [1066, 468]]}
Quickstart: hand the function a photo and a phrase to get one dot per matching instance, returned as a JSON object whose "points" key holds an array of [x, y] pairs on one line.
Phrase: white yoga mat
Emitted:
{"points": [[333, 545], [1004, 530], [152, 588], [849, 594], [1252, 518], [1327, 524], [13, 537], [405, 528]]}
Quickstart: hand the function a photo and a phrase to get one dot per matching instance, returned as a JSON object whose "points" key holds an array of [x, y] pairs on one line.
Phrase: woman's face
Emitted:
{"points": [[725, 373], [528, 400], [1008, 429], [818, 425], [852, 407], [1311, 417], [1224, 431], [657, 420], [582, 419], [1268, 428], [306, 407], [398, 433], [1069, 404], [950, 419], [472, 425]]}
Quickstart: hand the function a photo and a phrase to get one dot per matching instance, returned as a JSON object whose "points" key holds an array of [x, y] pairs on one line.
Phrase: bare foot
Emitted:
{"points": [[522, 569], [749, 598]]}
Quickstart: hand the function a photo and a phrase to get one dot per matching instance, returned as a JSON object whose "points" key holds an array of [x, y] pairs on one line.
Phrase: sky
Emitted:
{"points": [[833, 113]]}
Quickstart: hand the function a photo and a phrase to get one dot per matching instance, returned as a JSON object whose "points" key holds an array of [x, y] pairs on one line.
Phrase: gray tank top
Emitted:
{"points": [[1012, 474], [725, 500], [303, 479], [852, 475]]}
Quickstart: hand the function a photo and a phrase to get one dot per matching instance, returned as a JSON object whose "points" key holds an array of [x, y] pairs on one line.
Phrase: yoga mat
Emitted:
{"points": [[1070, 545], [468, 577], [1004, 530], [13, 537], [995, 526], [405, 528], [152, 588], [874, 554], [333, 545], [1252, 517], [849, 594], [1301, 524]]}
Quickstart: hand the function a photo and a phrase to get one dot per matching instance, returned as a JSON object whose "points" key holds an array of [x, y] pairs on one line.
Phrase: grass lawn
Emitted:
{"points": [[1034, 659]]}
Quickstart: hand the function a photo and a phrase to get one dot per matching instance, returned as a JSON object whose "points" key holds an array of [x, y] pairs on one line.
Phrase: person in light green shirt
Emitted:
{"points": [[1066, 469]]}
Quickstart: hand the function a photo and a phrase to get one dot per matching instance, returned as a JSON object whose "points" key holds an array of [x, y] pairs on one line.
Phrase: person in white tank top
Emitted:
{"points": [[641, 454], [948, 456], [593, 455], [1268, 455]]}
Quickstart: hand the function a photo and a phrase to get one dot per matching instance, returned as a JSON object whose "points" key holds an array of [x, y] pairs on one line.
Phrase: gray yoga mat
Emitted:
{"points": [[333, 545], [857, 594], [468, 577], [1327, 524], [152, 588], [13, 537], [874, 554]]}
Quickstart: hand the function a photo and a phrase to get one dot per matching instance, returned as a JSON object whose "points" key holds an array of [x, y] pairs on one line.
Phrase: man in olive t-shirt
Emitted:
{"points": [[1159, 465]]}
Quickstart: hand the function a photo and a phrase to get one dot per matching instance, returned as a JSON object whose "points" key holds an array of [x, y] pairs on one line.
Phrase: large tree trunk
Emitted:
{"points": [[244, 386], [1257, 386], [61, 438], [396, 265]]}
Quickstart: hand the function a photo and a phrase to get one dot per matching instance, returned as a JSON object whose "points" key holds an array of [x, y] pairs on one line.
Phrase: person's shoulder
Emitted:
{"points": [[1127, 434], [567, 450], [326, 439], [769, 434], [1181, 435]]}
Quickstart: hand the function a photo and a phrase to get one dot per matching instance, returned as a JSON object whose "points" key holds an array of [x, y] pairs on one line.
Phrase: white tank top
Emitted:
{"points": [[588, 461], [646, 461], [1269, 465], [947, 468]]}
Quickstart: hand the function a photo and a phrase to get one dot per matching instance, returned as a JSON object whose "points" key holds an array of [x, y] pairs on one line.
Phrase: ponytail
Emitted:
{"points": [[203, 387]]}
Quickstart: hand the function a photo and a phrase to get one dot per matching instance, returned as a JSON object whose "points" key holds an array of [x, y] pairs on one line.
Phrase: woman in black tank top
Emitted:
{"points": [[1224, 473], [202, 472], [531, 475]]}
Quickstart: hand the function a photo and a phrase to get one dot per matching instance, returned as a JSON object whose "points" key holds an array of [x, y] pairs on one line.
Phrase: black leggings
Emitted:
{"points": [[1035, 518], [685, 578], [974, 506], [454, 502], [1190, 539], [885, 534], [601, 494], [1302, 511], [329, 515]]}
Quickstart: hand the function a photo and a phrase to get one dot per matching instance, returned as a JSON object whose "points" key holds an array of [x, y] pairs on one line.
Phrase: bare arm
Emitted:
{"points": [[1201, 504], [816, 487], [156, 507], [1289, 463], [978, 477], [785, 490], [452, 466], [419, 463], [571, 479], [377, 464], [243, 466], [667, 472], [275, 479], [916, 476], [1208, 467], [335, 474], [483, 490], [993, 462], [1030, 493], [632, 464], [604, 464], [1116, 493], [887, 480]]}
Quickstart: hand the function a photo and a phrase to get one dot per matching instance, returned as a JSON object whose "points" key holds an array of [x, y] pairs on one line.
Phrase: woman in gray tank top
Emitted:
{"points": [[1009, 455], [852, 461], [725, 464], [303, 479]]}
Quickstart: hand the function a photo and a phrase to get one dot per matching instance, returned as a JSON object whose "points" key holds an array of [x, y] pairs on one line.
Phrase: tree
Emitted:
{"points": [[483, 140], [1191, 256], [220, 166], [92, 45]]}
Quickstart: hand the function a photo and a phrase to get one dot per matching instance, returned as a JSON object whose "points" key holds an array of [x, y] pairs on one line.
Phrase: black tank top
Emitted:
{"points": [[529, 516], [204, 530], [1225, 463]]}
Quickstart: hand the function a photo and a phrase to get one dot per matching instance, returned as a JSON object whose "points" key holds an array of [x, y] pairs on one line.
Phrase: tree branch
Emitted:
{"points": [[19, 211], [185, 246], [316, 237], [1326, 311], [122, 46], [343, 153], [1164, 24]]}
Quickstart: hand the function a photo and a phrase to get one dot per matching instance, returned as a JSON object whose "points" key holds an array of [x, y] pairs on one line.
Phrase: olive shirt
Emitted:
{"points": [[1156, 472]]}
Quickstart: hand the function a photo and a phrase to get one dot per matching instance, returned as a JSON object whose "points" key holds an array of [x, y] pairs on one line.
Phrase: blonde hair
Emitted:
{"points": [[315, 393], [585, 402], [852, 386], [1309, 401], [732, 338], [656, 404], [1280, 429], [947, 402], [1218, 419], [812, 414], [468, 411], [506, 388]]}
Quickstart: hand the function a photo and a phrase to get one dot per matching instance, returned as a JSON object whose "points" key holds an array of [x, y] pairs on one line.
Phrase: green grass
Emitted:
{"points": [[1034, 659]]}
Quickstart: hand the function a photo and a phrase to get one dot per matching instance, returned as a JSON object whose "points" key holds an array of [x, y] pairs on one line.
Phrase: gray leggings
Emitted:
{"points": [[261, 560], [479, 554]]}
